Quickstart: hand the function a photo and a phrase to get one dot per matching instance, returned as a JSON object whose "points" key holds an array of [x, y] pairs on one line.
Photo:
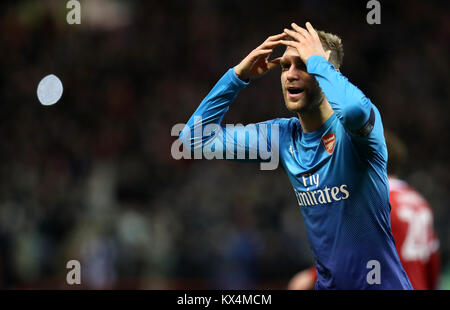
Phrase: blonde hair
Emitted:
{"points": [[333, 43]]}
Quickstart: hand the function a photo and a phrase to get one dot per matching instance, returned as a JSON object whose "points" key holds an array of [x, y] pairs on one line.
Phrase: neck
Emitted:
{"points": [[311, 121]]}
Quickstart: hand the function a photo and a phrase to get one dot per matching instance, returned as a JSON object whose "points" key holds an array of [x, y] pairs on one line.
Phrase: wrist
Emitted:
{"points": [[240, 75]]}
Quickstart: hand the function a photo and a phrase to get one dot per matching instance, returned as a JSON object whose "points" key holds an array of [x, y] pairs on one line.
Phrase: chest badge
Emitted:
{"points": [[328, 142]]}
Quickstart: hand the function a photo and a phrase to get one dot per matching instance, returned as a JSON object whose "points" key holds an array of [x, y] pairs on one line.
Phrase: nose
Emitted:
{"points": [[293, 73]]}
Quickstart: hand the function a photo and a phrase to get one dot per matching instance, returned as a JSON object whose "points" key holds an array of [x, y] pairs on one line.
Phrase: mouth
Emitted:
{"points": [[295, 92]]}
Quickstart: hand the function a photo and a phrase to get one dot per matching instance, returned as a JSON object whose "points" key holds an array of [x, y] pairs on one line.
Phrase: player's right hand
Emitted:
{"points": [[256, 63]]}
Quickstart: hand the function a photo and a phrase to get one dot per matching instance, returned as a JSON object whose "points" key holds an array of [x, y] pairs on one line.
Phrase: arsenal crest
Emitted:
{"points": [[328, 142]]}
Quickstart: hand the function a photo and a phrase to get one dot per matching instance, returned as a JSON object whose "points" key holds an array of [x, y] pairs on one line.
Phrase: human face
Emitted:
{"points": [[301, 91]]}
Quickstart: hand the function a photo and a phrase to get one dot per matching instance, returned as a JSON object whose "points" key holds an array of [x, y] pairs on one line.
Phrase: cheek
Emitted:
{"points": [[283, 82], [311, 83], [308, 78]]}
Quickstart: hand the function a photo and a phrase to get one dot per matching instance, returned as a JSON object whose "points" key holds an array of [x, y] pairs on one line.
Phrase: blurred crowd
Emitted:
{"points": [[92, 178]]}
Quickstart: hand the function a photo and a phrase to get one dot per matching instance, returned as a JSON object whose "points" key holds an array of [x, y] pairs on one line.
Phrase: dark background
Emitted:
{"points": [[92, 178]]}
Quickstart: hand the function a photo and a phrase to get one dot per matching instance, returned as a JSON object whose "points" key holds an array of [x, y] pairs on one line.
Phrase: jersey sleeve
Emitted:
{"points": [[360, 118], [204, 132]]}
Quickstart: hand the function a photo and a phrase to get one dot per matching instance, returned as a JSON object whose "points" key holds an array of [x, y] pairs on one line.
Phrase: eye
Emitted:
{"points": [[284, 66], [300, 66]]}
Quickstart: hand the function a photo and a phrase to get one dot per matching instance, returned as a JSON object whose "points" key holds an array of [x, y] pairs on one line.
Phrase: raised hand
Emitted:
{"points": [[256, 63], [306, 42]]}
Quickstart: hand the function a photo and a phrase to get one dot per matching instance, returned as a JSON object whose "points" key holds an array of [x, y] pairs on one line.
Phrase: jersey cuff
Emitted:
{"points": [[235, 80], [315, 60]]}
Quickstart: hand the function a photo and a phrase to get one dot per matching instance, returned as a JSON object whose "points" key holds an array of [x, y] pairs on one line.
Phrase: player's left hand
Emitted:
{"points": [[306, 42]]}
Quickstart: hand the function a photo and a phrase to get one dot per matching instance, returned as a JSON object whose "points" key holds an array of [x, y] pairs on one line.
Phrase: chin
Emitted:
{"points": [[305, 106], [296, 106]]}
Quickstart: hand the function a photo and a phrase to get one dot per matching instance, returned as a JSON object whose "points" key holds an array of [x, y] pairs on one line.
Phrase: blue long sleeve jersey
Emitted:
{"points": [[338, 174]]}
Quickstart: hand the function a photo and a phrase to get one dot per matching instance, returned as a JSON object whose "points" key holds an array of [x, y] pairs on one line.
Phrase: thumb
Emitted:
{"points": [[273, 63]]}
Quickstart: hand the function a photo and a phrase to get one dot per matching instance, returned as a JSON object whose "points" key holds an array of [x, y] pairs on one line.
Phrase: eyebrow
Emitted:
{"points": [[297, 60]]}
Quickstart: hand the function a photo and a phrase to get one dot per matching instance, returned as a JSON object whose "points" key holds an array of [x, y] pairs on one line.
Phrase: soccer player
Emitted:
{"points": [[412, 228], [333, 152]]}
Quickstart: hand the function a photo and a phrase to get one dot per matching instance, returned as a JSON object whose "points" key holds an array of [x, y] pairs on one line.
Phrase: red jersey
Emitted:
{"points": [[416, 241]]}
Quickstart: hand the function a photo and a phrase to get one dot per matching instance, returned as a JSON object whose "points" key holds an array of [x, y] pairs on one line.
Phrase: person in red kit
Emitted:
{"points": [[412, 226]]}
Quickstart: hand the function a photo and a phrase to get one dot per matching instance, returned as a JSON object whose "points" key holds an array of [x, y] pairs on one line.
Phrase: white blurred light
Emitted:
{"points": [[49, 90]]}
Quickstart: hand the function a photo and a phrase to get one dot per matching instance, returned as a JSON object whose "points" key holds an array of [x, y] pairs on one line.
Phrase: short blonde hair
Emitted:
{"points": [[333, 43]]}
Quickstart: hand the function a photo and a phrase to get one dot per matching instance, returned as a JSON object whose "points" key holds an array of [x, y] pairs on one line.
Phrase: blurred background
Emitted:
{"points": [[91, 178]]}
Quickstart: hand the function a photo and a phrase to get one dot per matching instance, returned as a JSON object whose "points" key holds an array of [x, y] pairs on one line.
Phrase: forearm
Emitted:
{"points": [[212, 109], [349, 103]]}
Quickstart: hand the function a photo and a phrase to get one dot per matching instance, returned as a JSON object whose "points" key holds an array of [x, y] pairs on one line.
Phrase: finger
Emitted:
{"points": [[273, 63], [290, 43], [257, 53], [301, 30], [295, 35], [311, 30], [276, 37], [270, 44]]}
